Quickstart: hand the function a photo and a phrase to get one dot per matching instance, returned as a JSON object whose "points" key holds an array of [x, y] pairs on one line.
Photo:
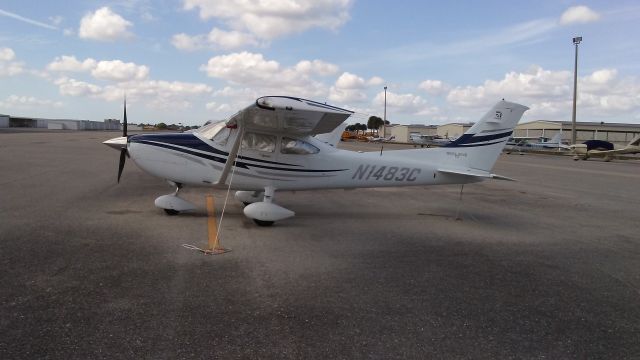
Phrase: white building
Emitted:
{"points": [[7, 121], [617, 133]]}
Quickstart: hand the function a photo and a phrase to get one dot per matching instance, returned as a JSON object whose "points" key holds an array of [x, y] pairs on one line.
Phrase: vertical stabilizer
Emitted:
{"points": [[481, 145]]}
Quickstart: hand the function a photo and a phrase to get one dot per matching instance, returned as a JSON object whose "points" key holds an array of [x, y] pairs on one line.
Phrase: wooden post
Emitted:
{"points": [[214, 243]]}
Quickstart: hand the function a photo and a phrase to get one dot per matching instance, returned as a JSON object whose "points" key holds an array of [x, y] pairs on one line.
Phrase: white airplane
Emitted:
{"points": [[580, 150], [381, 139], [554, 143], [428, 140], [270, 146], [522, 143]]}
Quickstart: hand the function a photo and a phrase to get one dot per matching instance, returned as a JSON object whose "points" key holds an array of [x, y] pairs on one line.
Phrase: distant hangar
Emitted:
{"points": [[617, 133], [7, 121]]}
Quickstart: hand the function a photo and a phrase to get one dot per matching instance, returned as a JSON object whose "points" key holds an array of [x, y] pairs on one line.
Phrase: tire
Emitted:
{"points": [[171, 212], [262, 222]]}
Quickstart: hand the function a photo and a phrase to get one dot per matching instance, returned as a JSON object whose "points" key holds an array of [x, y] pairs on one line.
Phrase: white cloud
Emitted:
{"points": [[111, 70], [350, 81], [71, 64], [216, 39], [549, 94], [343, 95], [7, 54], [15, 102], [348, 88], [185, 42], [375, 81], [434, 87], [157, 94], [271, 19], [214, 106], [8, 67], [316, 67], [73, 87], [230, 39], [253, 70], [116, 70], [578, 14], [403, 103], [535, 84], [104, 25]]}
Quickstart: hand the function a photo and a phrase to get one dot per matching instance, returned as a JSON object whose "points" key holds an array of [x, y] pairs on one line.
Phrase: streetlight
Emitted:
{"points": [[576, 41], [384, 122]]}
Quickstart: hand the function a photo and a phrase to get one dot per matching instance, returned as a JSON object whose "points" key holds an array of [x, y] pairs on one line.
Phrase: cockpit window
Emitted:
{"points": [[259, 142], [297, 147]]}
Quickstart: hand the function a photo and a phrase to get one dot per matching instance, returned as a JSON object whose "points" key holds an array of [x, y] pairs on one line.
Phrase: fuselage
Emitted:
{"points": [[285, 163]]}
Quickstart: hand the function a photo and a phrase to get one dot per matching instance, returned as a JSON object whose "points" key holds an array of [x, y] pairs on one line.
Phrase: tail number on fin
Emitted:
{"points": [[385, 173]]}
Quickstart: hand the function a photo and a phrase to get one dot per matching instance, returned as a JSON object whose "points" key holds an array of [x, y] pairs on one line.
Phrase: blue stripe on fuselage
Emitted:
{"points": [[474, 139], [178, 142]]}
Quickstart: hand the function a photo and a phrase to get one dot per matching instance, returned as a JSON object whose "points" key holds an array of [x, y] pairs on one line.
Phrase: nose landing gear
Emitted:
{"points": [[172, 204]]}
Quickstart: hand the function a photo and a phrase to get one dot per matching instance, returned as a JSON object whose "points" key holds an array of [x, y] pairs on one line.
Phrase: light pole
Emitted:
{"points": [[576, 41], [384, 121]]}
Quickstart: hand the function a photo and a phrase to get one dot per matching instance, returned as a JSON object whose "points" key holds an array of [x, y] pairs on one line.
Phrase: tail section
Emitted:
{"points": [[556, 139], [480, 146]]}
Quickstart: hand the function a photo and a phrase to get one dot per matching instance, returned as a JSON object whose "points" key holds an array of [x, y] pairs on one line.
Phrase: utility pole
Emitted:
{"points": [[576, 41], [384, 121]]}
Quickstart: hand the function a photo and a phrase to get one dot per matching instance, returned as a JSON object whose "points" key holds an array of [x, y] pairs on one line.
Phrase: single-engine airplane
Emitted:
{"points": [[271, 146], [428, 140], [582, 151], [381, 139]]}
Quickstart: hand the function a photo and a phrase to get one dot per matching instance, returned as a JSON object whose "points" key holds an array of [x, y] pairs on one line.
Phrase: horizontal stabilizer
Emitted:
{"points": [[475, 173]]}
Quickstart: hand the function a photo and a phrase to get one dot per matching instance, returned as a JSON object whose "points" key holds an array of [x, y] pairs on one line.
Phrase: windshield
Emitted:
{"points": [[211, 130]]}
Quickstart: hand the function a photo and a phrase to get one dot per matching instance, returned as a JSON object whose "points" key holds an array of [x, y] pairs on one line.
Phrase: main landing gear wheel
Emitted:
{"points": [[171, 212], [263, 223]]}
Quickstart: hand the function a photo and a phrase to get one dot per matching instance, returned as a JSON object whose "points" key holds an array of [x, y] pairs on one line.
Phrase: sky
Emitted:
{"points": [[189, 61]]}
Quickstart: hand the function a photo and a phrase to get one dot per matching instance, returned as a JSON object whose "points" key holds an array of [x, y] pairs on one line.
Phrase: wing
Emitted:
{"points": [[289, 115]]}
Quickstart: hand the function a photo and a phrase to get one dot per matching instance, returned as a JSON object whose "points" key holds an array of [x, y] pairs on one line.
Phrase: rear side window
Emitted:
{"points": [[297, 147]]}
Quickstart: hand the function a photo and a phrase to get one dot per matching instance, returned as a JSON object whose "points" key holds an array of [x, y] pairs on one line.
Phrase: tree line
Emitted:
{"points": [[374, 123]]}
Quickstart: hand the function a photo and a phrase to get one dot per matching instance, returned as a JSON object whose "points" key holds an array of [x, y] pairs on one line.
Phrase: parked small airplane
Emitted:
{"points": [[381, 139], [554, 143], [428, 140], [583, 151], [522, 143], [270, 146]]}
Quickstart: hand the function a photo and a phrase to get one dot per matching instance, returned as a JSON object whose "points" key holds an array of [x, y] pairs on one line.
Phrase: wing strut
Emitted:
{"points": [[232, 157]]}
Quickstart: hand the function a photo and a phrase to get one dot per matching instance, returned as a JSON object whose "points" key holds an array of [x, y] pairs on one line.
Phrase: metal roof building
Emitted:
{"points": [[7, 121], [617, 133]]}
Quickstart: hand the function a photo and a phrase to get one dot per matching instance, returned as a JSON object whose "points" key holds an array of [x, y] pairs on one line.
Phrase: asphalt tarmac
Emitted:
{"points": [[546, 267]]}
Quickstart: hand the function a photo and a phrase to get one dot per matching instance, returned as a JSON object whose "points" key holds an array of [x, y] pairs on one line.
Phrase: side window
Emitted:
{"points": [[259, 142], [297, 147]]}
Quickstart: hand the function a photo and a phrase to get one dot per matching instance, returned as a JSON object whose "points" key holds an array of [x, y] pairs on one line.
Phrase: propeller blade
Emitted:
{"points": [[123, 158], [124, 127]]}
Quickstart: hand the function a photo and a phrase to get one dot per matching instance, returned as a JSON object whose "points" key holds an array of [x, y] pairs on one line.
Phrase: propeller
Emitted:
{"points": [[124, 154]]}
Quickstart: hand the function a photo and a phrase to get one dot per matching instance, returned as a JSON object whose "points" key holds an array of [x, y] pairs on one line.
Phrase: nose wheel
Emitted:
{"points": [[263, 222], [172, 204]]}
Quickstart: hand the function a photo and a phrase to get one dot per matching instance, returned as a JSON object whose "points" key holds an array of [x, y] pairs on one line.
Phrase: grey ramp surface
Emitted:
{"points": [[546, 267]]}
